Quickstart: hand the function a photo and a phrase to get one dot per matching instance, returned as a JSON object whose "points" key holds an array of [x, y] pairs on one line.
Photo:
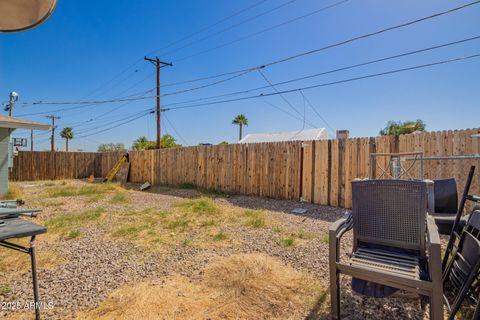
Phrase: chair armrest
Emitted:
{"points": [[434, 250], [335, 233]]}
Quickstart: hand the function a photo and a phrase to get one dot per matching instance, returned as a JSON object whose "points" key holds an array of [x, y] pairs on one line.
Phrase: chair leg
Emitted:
{"points": [[436, 306], [34, 278], [335, 294]]}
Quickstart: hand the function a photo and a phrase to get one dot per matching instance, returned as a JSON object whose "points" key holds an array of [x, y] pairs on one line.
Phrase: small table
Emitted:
{"points": [[13, 227]]}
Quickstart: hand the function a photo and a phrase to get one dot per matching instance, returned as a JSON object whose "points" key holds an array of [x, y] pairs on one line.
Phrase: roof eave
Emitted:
{"points": [[34, 126]]}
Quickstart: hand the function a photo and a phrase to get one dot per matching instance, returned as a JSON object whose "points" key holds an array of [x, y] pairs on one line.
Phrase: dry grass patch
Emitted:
{"points": [[119, 198], [14, 261], [200, 206], [256, 218], [198, 220], [87, 190], [245, 286], [220, 236], [172, 226], [14, 192], [67, 225]]}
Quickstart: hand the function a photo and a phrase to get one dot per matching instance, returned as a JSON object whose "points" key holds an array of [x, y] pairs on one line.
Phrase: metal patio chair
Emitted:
{"points": [[448, 211], [393, 240], [460, 276]]}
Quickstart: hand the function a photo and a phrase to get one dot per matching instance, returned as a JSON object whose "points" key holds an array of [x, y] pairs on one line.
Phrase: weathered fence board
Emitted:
{"points": [[314, 171]]}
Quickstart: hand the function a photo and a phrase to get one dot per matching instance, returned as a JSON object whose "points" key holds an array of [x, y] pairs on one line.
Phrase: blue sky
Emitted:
{"points": [[85, 44]]}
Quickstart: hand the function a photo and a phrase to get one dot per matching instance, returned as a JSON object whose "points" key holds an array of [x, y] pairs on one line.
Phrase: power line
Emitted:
{"points": [[281, 95], [147, 111], [286, 112], [91, 102], [384, 30], [316, 111], [373, 33], [116, 126], [231, 27], [331, 71], [169, 45], [207, 85], [261, 31], [174, 129], [210, 26], [96, 121], [300, 54], [327, 83]]}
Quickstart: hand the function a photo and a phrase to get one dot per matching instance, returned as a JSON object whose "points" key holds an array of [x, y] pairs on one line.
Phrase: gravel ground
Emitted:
{"points": [[95, 264]]}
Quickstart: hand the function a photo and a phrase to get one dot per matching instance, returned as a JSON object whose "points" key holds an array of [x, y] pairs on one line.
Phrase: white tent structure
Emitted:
{"points": [[300, 135]]}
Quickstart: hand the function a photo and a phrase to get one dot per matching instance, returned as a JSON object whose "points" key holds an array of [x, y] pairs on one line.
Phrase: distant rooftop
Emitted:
{"points": [[299, 135], [17, 123]]}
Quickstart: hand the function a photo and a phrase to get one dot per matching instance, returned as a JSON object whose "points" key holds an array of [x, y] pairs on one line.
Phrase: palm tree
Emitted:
{"points": [[241, 121], [67, 134]]}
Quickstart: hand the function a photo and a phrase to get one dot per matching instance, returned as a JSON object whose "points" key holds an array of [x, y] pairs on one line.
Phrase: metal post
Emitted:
{"points": [[395, 167], [34, 278]]}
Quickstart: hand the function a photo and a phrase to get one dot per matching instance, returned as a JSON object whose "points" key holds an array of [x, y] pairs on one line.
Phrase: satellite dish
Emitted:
{"points": [[21, 15]]}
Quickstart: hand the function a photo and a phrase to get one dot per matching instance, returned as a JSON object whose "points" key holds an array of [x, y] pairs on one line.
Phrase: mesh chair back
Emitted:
{"points": [[390, 213]]}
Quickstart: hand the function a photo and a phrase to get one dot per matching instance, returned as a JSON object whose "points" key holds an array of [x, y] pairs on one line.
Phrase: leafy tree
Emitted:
{"points": [[398, 127], [167, 141], [67, 134], [223, 143], [241, 121], [142, 143], [111, 147]]}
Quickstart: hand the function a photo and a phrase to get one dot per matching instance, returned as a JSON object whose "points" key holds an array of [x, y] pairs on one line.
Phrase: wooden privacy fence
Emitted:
{"points": [[314, 171], [45, 165]]}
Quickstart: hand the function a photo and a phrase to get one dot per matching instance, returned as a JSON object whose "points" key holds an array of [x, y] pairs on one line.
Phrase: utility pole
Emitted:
{"points": [[158, 64], [31, 139], [53, 117]]}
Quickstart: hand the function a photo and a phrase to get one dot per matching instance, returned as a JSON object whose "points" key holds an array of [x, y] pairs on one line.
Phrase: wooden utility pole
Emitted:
{"points": [[53, 117], [158, 64]]}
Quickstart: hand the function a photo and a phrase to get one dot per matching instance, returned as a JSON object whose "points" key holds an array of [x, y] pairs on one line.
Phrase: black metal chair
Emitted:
{"points": [[446, 205], [460, 276], [457, 222]]}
